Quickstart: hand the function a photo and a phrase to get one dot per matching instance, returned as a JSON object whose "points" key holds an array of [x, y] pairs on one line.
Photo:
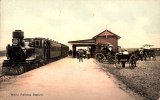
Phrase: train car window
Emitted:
{"points": [[37, 43]]}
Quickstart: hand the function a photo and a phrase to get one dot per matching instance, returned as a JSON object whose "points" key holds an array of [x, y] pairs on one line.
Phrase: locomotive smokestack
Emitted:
{"points": [[18, 34]]}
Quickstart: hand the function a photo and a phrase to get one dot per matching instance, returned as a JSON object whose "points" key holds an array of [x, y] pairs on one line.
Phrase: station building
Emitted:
{"points": [[105, 37]]}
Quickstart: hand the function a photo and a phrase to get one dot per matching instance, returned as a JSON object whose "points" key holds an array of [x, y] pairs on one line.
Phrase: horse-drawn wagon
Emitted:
{"points": [[104, 53], [124, 57], [147, 54]]}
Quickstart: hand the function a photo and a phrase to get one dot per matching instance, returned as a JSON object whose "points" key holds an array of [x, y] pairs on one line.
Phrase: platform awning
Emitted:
{"points": [[83, 42]]}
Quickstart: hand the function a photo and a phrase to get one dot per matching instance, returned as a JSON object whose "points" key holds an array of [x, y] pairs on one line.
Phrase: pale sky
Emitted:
{"points": [[137, 22]]}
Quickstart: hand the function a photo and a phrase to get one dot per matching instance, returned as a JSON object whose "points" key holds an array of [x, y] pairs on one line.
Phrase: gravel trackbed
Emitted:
{"points": [[144, 79]]}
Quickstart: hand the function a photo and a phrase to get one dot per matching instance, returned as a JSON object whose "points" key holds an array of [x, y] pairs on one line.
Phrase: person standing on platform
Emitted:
{"points": [[70, 52], [81, 53], [88, 54]]}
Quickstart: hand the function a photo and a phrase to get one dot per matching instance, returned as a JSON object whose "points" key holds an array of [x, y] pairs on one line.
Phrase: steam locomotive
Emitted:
{"points": [[28, 53]]}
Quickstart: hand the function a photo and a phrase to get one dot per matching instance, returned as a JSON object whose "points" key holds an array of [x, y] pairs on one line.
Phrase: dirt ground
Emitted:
{"points": [[144, 79], [65, 79]]}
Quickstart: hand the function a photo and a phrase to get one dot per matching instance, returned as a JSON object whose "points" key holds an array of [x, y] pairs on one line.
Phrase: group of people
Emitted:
{"points": [[81, 54]]}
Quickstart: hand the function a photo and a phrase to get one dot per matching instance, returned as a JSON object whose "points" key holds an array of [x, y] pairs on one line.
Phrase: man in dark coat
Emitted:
{"points": [[81, 53]]}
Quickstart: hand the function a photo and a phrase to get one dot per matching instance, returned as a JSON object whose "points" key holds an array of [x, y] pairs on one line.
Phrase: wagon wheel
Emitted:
{"points": [[21, 69], [132, 62], [111, 59], [154, 58], [145, 56], [117, 64], [100, 57]]}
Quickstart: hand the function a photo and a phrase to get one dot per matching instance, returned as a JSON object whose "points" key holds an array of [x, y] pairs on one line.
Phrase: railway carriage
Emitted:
{"points": [[64, 50], [28, 53]]}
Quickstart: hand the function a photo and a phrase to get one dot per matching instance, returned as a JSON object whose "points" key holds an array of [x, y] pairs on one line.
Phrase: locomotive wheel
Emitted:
{"points": [[16, 70], [100, 57], [13, 70], [5, 70], [21, 69], [153, 57]]}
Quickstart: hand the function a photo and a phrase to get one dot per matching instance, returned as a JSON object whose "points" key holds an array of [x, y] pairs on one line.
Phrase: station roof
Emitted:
{"points": [[83, 42], [106, 33], [92, 41]]}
